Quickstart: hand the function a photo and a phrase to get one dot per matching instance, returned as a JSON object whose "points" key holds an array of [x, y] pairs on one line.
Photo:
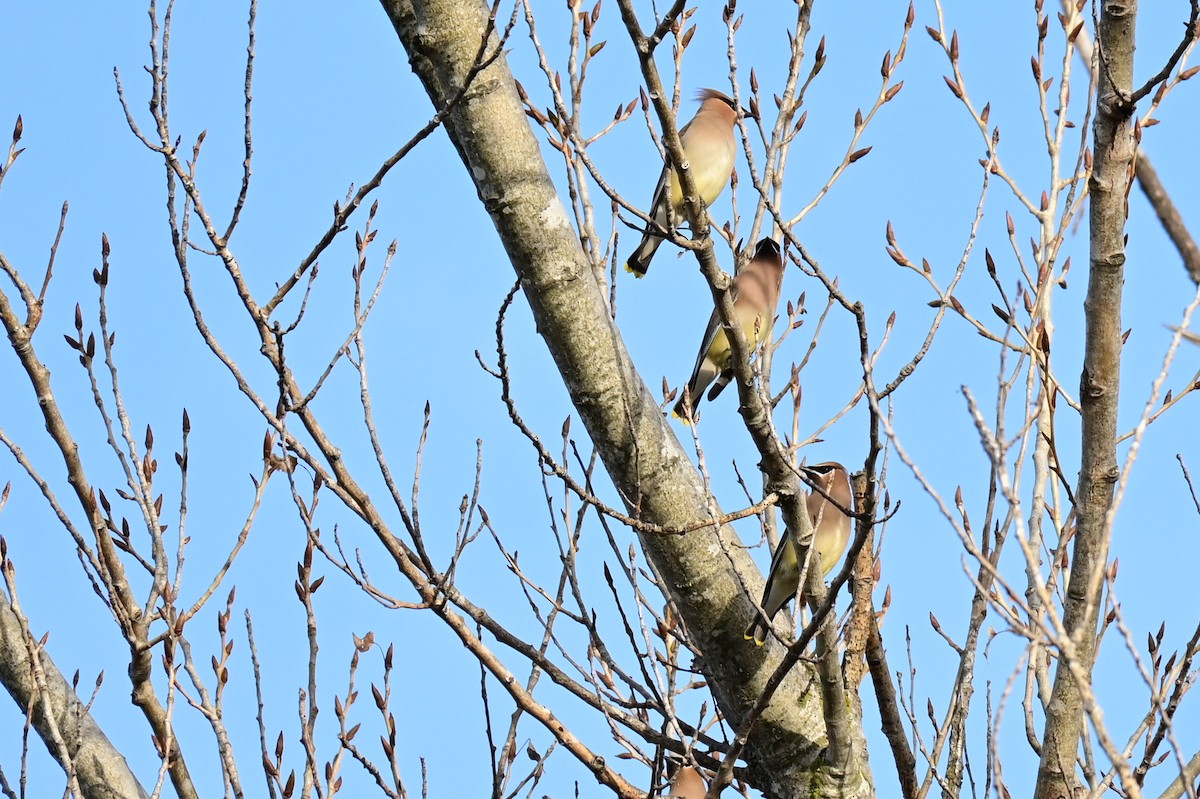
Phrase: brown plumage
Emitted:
{"points": [[710, 146], [688, 784], [831, 534], [755, 295]]}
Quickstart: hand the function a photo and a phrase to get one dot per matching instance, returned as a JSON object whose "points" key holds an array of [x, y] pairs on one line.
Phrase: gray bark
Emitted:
{"points": [[101, 770], [1099, 389], [703, 570]]}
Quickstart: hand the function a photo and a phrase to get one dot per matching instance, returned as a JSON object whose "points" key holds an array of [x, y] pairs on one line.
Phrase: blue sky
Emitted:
{"points": [[333, 97]]}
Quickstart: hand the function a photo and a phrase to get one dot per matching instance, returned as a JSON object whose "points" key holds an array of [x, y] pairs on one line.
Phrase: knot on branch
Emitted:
{"points": [[785, 488], [1117, 105], [1090, 389]]}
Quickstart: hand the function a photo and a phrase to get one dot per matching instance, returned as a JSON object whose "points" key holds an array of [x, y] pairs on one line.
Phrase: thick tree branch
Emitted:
{"points": [[1112, 175], [782, 476], [100, 769], [1147, 176], [890, 720], [129, 615], [644, 459]]}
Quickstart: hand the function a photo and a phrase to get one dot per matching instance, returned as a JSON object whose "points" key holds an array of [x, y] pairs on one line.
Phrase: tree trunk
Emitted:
{"points": [[1112, 174], [647, 464], [101, 770]]}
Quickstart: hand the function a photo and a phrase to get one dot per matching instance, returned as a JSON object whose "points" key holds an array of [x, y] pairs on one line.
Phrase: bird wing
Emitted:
{"points": [[660, 206], [710, 333], [661, 201]]}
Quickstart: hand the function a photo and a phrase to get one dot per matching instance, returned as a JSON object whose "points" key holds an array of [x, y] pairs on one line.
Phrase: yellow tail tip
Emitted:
{"points": [[638, 273]]}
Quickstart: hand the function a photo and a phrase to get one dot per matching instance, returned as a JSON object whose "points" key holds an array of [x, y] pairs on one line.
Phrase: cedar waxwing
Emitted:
{"points": [[688, 784], [755, 295], [710, 146], [831, 534]]}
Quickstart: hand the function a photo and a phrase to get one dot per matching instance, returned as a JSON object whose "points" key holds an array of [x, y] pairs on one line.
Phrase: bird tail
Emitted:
{"points": [[757, 632], [639, 262], [684, 411], [719, 386]]}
